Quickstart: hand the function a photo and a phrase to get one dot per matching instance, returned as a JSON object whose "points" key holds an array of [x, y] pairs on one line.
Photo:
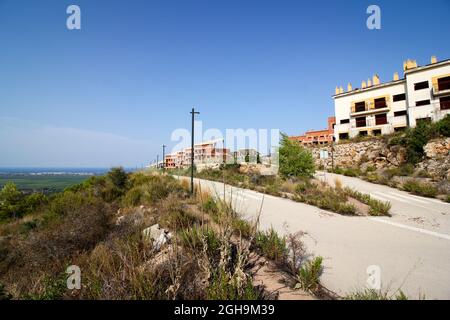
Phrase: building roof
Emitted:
{"points": [[394, 82], [428, 66], [372, 87]]}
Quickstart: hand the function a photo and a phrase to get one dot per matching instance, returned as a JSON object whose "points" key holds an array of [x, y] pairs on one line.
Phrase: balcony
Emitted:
{"points": [[377, 106], [367, 122], [441, 87]]}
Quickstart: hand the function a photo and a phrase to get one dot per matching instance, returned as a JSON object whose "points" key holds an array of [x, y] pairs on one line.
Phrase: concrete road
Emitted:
{"points": [[411, 256], [428, 214]]}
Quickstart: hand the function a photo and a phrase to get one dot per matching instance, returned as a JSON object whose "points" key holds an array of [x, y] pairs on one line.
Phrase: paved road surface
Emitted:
{"points": [[411, 255], [431, 215]]}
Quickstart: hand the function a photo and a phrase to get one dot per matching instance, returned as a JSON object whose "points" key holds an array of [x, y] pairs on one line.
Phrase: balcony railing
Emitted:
{"points": [[370, 108]]}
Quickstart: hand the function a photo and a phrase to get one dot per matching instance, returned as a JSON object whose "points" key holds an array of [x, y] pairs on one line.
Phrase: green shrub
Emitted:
{"points": [[29, 225], [346, 209], [352, 172], [54, 288], [272, 245], [309, 275], [376, 207], [242, 227], [150, 189], [372, 294], [414, 139], [133, 197], [420, 188], [294, 160], [402, 171], [304, 186], [35, 201], [193, 238], [210, 206], [10, 201], [118, 177], [177, 218], [443, 126], [222, 287], [379, 208], [338, 170], [448, 198]]}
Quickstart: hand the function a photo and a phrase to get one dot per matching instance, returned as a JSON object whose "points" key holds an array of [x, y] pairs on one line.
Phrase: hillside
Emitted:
{"points": [[142, 236]]}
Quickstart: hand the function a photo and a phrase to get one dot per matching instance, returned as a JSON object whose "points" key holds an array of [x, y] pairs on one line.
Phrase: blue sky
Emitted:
{"points": [[113, 92]]}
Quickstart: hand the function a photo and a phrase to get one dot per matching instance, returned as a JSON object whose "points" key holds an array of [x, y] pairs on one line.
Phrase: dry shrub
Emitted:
{"points": [[338, 184], [288, 186], [175, 215], [47, 250], [297, 250]]}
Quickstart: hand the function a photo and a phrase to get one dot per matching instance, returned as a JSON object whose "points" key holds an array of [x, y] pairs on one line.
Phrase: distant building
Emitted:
{"points": [[423, 94], [242, 155], [206, 154], [317, 137]]}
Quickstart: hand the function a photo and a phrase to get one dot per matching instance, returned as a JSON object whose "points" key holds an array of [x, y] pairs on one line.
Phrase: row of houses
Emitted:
{"points": [[375, 108], [207, 154]]}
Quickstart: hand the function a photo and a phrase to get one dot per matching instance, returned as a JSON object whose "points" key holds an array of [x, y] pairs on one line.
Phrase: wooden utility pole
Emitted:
{"points": [[164, 157], [193, 113]]}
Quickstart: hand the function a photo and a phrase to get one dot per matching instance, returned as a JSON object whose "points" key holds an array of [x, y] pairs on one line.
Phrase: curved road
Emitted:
{"points": [[411, 248]]}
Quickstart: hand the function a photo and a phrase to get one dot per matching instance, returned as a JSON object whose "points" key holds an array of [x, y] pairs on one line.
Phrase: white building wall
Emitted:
{"points": [[343, 102], [343, 105], [431, 110]]}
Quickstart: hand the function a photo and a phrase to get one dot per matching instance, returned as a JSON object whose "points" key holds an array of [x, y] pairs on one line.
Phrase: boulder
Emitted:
{"points": [[156, 236]]}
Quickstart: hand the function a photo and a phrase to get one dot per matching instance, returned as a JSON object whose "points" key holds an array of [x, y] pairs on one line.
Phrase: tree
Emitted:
{"points": [[295, 161], [118, 177], [247, 157], [258, 159], [10, 198]]}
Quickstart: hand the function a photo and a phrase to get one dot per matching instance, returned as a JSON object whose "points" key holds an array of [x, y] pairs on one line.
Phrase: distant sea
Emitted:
{"points": [[48, 180], [56, 171]]}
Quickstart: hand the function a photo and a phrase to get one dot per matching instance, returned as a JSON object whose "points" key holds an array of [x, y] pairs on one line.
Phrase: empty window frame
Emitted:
{"points": [[420, 85], [422, 103], [400, 113], [360, 122], [445, 103], [360, 106], [444, 83], [381, 119], [380, 103], [399, 97]]}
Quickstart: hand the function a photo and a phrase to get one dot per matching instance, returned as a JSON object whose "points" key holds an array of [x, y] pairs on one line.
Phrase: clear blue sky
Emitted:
{"points": [[112, 92]]}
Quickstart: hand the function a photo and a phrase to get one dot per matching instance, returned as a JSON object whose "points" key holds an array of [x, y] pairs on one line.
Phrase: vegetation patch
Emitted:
{"points": [[372, 294], [420, 188], [376, 207], [309, 275], [272, 245]]}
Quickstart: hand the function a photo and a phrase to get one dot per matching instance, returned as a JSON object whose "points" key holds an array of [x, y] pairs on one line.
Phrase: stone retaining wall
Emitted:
{"points": [[378, 154]]}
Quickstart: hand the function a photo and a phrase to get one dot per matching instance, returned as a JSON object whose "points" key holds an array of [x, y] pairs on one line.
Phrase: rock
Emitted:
{"points": [[157, 236], [135, 217], [120, 220], [159, 259]]}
